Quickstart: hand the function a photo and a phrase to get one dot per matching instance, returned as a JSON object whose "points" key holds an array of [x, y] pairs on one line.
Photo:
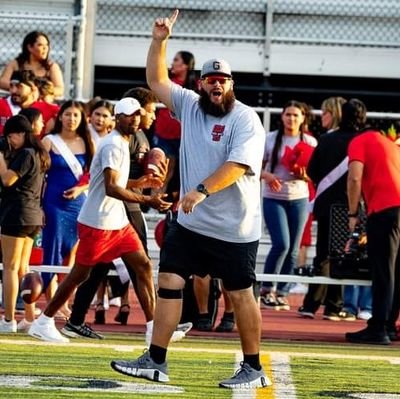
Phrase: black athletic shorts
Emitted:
{"points": [[20, 231], [186, 253]]}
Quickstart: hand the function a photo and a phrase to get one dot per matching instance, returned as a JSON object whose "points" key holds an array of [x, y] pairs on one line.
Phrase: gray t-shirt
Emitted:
{"points": [[232, 214], [99, 210]]}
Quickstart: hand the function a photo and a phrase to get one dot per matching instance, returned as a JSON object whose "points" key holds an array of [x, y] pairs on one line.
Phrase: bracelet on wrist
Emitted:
{"points": [[353, 215]]}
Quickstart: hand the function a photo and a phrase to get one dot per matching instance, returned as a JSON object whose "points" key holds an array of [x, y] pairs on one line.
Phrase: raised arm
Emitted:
{"points": [[156, 68]]}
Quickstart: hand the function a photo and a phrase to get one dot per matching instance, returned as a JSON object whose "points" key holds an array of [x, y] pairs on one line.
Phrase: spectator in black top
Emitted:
{"points": [[330, 152], [22, 168]]}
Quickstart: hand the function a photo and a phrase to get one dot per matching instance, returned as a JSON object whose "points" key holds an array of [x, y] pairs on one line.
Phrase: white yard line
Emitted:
{"points": [[175, 348], [282, 381]]}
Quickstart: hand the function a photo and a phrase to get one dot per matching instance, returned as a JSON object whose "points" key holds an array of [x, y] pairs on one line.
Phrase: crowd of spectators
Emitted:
{"points": [[70, 132]]}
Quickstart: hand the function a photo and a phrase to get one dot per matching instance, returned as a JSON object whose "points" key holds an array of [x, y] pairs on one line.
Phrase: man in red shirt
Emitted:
{"points": [[24, 93], [374, 170], [10, 105]]}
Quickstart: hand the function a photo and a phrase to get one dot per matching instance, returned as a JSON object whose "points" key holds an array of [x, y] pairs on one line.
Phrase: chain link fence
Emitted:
{"points": [[202, 20], [337, 22]]}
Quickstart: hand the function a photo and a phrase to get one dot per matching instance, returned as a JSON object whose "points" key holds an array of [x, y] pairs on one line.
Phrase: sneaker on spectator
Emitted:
{"points": [[268, 300], [204, 324], [24, 325], [82, 331], [226, 324], [364, 315], [368, 336], [142, 367], [347, 316], [393, 335], [282, 303], [308, 314], [8, 326], [246, 378], [46, 331], [342, 315]]}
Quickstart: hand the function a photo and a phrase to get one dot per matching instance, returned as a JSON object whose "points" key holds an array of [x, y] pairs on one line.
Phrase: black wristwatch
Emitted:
{"points": [[353, 215], [201, 188]]}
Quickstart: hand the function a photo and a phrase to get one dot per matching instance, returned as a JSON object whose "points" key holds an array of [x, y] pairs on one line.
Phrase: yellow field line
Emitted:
{"points": [[269, 392]]}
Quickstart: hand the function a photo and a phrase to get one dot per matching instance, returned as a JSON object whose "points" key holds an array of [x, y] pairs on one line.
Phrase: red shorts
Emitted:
{"points": [[103, 246]]}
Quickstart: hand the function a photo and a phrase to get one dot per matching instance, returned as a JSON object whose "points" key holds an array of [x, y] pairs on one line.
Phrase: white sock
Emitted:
{"points": [[149, 325]]}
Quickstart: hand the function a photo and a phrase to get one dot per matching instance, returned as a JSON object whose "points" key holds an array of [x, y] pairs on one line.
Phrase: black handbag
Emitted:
{"points": [[351, 262], [350, 266]]}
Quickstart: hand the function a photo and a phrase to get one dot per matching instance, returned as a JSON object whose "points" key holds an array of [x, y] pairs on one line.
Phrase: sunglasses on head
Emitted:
{"points": [[211, 80]]}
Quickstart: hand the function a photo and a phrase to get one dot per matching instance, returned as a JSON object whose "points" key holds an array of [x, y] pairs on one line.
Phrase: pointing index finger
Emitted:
{"points": [[174, 16]]}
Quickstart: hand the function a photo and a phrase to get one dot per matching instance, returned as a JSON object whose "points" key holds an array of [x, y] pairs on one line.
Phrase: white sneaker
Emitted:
{"points": [[176, 336], [24, 325], [185, 327], [46, 331], [364, 315], [8, 326]]}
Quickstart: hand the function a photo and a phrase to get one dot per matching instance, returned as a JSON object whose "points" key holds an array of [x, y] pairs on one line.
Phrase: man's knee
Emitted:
{"points": [[241, 294], [139, 262]]}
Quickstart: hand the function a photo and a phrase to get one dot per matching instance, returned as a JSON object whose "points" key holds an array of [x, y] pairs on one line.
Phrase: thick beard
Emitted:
{"points": [[217, 109]]}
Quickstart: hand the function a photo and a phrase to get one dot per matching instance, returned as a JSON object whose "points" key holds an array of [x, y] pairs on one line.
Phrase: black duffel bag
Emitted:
{"points": [[350, 266], [352, 263]]}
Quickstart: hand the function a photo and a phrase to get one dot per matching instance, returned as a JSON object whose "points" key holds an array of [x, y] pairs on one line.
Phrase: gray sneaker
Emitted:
{"points": [[246, 378], [82, 331], [143, 367]]}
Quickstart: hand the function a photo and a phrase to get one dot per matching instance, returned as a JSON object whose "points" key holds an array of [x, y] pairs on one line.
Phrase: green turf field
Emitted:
{"points": [[33, 369]]}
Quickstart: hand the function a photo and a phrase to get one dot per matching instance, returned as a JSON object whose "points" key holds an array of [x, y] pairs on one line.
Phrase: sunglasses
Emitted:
{"points": [[211, 80]]}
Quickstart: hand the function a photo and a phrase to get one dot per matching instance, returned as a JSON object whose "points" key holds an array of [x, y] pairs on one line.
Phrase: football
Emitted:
{"points": [[31, 287]]}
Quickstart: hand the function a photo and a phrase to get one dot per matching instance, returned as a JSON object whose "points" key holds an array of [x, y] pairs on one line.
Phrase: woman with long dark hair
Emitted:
{"points": [[35, 57], [23, 164], [285, 200], [71, 150]]}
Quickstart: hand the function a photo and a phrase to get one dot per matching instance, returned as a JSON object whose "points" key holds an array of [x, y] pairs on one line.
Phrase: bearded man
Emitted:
{"points": [[11, 104], [219, 219]]}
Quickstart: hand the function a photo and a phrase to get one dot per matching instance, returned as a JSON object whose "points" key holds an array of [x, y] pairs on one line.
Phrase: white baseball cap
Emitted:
{"points": [[127, 106], [216, 66]]}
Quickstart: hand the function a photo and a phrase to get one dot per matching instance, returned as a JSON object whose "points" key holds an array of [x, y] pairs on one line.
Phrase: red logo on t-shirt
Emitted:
{"points": [[217, 132]]}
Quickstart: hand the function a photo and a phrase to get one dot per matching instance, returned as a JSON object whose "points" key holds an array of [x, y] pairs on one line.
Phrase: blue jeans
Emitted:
{"points": [[357, 298], [285, 221]]}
